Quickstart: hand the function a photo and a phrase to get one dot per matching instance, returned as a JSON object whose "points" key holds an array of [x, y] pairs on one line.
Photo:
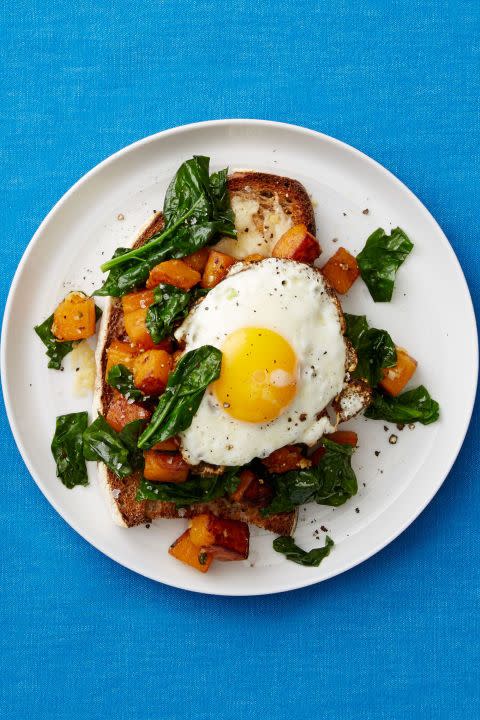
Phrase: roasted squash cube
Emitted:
{"points": [[297, 244], [341, 271], [170, 445], [120, 353], [183, 549], [200, 535], [136, 300], [74, 318], [165, 467], [136, 328], [121, 412], [287, 458], [216, 268], [246, 479], [253, 258], [228, 539], [395, 378], [173, 272], [343, 437], [197, 260], [150, 371]]}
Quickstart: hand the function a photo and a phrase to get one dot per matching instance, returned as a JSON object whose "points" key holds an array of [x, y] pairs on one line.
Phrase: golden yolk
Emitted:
{"points": [[258, 376]]}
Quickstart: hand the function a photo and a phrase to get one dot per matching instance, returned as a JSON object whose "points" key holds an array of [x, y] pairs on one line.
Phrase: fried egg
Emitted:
{"points": [[280, 331]]}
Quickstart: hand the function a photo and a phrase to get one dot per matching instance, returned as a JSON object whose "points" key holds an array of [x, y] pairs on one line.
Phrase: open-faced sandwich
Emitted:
{"points": [[225, 366]]}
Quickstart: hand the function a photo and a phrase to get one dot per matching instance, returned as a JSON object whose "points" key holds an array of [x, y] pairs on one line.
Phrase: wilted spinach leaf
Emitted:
{"points": [[196, 210], [121, 378], [380, 259], [118, 450], [183, 394], [56, 349], [171, 305], [196, 489], [375, 348], [313, 558], [67, 449], [411, 406], [331, 482]]}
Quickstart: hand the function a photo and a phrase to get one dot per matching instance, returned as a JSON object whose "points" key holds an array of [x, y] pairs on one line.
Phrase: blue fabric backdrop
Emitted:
{"points": [[395, 638]]}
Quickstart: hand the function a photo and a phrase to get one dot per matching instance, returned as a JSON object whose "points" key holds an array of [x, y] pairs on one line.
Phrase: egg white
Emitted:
{"points": [[291, 299]]}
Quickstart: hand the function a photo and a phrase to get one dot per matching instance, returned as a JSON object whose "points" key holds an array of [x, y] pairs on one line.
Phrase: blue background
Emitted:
{"points": [[395, 638]]}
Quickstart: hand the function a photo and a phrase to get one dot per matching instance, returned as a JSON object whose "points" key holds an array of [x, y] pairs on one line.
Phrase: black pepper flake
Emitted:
{"points": [[344, 214], [303, 417], [400, 426], [357, 510], [334, 239], [365, 212], [385, 428], [148, 524], [377, 452]]}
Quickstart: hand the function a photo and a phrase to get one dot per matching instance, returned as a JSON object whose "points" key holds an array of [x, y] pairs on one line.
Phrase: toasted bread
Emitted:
{"points": [[278, 201]]}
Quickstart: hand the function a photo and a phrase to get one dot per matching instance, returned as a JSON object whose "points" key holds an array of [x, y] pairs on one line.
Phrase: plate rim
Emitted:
{"points": [[469, 309]]}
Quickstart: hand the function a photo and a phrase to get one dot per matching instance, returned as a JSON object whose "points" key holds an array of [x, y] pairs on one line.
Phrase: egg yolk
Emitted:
{"points": [[258, 376]]}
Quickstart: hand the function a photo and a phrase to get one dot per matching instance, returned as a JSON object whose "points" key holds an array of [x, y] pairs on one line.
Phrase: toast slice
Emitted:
{"points": [[265, 207]]}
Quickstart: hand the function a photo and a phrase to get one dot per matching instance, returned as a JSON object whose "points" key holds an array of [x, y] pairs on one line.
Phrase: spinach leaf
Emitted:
{"points": [[313, 558], [171, 305], [411, 406], [375, 348], [67, 449], [183, 394], [331, 482], [196, 489], [121, 378], [56, 349], [118, 451], [196, 210], [380, 259]]}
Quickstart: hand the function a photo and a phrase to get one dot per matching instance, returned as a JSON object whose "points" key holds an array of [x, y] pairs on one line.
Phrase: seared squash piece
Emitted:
{"points": [[197, 260], [395, 378], [183, 549], [341, 271], [136, 300], [297, 244], [216, 268], [165, 467], [220, 538], [121, 412], [120, 353], [150, 371], [173, 272], [74, 318]]}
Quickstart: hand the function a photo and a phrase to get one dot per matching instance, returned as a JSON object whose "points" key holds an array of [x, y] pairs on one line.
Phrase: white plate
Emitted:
{"points": [[431, 315]]}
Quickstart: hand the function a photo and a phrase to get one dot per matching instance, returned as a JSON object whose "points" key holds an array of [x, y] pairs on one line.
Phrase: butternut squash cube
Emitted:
{"points": [[197, 260], [173, 272], [150, 371], [297, 244], [121, 412], [136, 300], [216, 268], [341, 271], [74, 318], [165, 467], [120, 353], [395, 378], [183, 549]]}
